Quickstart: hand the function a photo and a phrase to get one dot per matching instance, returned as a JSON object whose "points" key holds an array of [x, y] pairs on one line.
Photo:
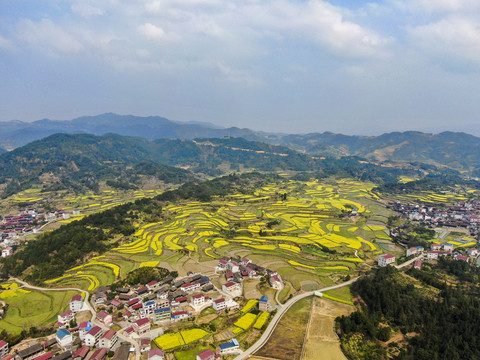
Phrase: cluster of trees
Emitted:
{"points": [[433, 182], [55, 252], [446, 324], [146, 274]]}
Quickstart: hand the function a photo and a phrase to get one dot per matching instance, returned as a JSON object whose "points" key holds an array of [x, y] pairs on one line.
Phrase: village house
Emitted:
{"points": [[145, 345], [436, 247], [3, 349], [76, 303], [228, 348], [232, 288], [418, 265], [163, 303], [127, 315], [433, 254], [156, 354], [263, 304], [219, 304], [83, 328], [7, 251], [30, 352], [206, 355], [108, 339], [81, 353], [45, 356], [153, 285], [99, 354], [149, 307], [472, 252], [105, 317], [461, 257], [162, 314], [180, 315], [385, 260], [190, 287], [141, 325], [198, 300], [63, 337], [65, 318], [448, 247], [92, 336], [275, 282]]}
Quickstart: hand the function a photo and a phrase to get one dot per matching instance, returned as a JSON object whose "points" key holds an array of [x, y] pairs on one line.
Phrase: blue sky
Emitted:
{"points": [[276, 65]]}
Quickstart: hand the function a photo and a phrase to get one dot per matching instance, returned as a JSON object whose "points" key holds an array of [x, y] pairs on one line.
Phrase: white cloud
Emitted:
{"points": [[155, 32], [237, 76], [5, 44], [452, 38], [47, 34], [439, 6], [86, 10]]}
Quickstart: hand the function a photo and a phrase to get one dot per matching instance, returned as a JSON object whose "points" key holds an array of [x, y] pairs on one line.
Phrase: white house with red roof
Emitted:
{"points": [[153, 285], [461, 257], [198, 300], [385, 260], [76, 303], [108, 339], [65, 318], [190, 287], [141, 325], [7, 251], [92, 336], [3, 349], [105, 317], [232, 288], [275, 282], [219, 304], [436, 247]]}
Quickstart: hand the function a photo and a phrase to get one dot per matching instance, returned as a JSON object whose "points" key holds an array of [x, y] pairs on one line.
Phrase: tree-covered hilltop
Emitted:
{"points": [[52, 253], [431, 318], [436, 182], [79, 162]]}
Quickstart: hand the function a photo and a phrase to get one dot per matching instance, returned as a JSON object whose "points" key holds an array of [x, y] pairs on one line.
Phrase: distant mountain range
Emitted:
{"points": [[459, 151]]}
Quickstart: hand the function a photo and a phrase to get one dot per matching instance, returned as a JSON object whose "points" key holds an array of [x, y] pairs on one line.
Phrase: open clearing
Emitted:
{"points": [[287, 339], [321, 337]]}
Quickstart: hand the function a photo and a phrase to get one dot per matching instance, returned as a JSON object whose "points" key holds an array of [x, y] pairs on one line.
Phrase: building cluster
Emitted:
{"points": [[27, 222], [63, 346], [236, 270], [461, 214]]}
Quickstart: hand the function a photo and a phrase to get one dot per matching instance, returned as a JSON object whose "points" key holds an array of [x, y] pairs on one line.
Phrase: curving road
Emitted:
{"points": [[284, 308], [276, 319], [90, 308]]}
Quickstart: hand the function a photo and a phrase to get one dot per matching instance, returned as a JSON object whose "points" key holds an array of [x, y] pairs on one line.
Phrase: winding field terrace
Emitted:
{"points": [[303, 237]]}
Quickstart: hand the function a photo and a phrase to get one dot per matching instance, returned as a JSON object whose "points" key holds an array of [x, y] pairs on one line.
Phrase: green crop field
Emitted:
{"points": [[32, 308]]}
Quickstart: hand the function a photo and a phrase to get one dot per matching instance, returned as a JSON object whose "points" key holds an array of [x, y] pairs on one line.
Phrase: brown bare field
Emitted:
{"points": [[250, 289], [287, 339], [321, 337], [207, 319]]}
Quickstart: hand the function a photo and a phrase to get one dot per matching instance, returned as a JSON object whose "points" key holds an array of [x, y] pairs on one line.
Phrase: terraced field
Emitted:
{"points": [[303, 233]]}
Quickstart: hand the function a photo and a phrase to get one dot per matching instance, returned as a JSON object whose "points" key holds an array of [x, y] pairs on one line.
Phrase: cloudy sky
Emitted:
{"points": [[277, 65]]}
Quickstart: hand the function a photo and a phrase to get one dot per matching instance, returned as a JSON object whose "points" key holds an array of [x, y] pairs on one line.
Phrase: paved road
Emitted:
{"points": [[284, 308], [93, 320], [276, 319], [406, 263]]}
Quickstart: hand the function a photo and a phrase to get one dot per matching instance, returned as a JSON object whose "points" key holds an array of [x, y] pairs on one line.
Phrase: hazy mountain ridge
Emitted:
{"points": [[460, 151]]}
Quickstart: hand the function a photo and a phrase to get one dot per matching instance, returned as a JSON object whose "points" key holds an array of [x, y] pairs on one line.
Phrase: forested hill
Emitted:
{"points": [[456, 150], [79, 162]]}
